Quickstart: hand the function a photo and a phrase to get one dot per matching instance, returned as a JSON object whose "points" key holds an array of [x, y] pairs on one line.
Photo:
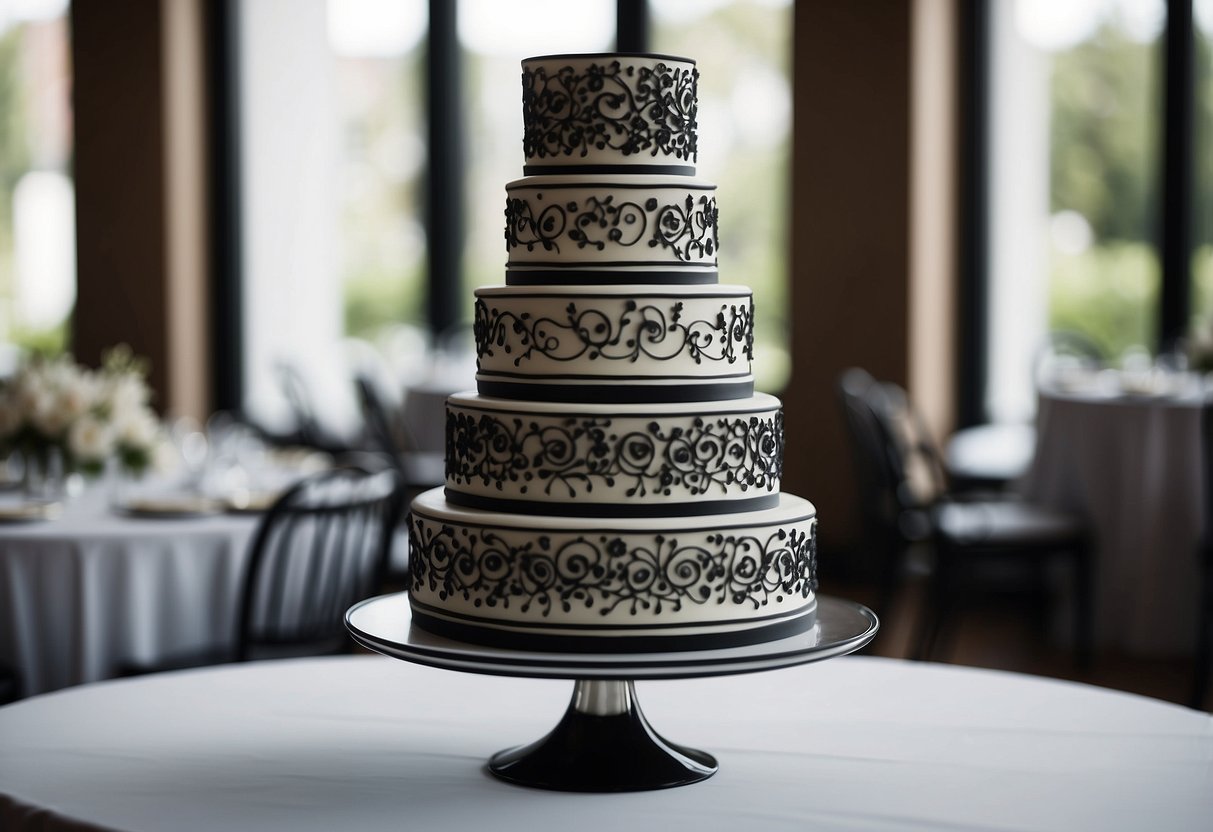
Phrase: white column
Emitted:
{"points": [[290, 151], [1019, 216]]}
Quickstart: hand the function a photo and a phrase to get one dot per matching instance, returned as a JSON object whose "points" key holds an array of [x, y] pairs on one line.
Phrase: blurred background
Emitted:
{"points": [[268, 199]]}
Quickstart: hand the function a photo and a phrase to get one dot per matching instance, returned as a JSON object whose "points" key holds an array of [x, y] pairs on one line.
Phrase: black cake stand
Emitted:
{"points": [[604, 743]]}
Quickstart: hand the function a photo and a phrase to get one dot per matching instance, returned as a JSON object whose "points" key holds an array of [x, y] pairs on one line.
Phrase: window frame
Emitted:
{"points": [[447, 171], [1175, 167]]}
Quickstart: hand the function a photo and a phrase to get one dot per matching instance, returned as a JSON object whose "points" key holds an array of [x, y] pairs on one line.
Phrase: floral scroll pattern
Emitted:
{"points": [[655, 331], [569, 457], [630, 573], [630, 109], [686, 228]]}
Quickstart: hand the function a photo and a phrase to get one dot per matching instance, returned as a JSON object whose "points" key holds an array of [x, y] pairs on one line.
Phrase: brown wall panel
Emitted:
{"points": [[119, 173], [850, 240], [140, 181]]}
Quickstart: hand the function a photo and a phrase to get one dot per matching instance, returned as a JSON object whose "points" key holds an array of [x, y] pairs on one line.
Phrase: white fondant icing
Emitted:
{"points": [[654, 222], [639, 574], [638, 110], [611, 335], [589, 121], [639, 455]]}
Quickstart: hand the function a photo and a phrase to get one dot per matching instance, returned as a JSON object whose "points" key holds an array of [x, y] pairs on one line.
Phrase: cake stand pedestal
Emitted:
{"points": [[603, 743]]}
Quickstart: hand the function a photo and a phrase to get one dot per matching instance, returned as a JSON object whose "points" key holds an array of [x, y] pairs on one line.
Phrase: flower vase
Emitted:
{"points": [[120, 485], [44, 478]]}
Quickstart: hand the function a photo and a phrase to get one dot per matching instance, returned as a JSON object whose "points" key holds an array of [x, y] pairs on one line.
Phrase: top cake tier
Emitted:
{"points": [[609, 113]]}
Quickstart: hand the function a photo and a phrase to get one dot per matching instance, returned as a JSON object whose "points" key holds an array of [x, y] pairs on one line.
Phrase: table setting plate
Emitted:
{"points": [[254, 502], [29, 512], [171, 506]]}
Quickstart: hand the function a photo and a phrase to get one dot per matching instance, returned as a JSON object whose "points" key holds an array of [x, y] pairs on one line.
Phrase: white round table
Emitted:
{"points": [[1132, 466], [87, 590], [367, 743]]}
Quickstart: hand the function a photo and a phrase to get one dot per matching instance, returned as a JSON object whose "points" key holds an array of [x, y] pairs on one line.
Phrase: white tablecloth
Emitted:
{"points": [[90, 589], [1132, 466], [367, 743]]}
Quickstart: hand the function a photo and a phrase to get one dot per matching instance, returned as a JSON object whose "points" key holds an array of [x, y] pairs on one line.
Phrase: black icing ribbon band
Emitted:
{"points": [[558, 168], [578, 277], [694, 508], [617, 393]]}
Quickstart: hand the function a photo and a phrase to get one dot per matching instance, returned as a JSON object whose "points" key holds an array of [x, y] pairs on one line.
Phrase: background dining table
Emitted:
{"points": [[1130, 462], [369, 743], [94, 587]]}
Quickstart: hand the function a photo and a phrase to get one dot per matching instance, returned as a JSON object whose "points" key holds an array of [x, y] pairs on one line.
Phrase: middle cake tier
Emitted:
{"points": [[621, 229], [621, 344], [614, 460]]}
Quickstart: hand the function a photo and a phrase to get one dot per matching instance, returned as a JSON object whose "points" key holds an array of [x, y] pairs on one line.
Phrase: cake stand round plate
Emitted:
{"points": [[604, 743]]}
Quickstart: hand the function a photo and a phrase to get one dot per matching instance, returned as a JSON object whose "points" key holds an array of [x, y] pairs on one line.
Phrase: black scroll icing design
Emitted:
{"points": [[688, 228], [655, 330], [629, 109], [569, 458], [635, 572]]}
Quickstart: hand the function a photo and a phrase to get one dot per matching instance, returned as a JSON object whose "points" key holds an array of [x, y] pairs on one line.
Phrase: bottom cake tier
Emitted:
{"points": [[619, 585]]}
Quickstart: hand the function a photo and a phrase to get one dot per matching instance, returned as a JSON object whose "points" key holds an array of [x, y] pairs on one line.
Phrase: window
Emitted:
{"points": [[1202, 227], [743, 52], [1075, 112], [494, 38], [335, 250], [331, 158], [37, 204]]}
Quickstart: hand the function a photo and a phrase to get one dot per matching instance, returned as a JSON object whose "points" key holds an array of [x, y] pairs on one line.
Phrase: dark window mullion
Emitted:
{"points": [[632, 26], [447, 172], [973, 326], [1178, 170], [227, 307]]}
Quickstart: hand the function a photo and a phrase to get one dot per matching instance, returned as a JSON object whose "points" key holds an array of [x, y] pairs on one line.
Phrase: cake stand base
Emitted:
{"points": [[603, 744]]}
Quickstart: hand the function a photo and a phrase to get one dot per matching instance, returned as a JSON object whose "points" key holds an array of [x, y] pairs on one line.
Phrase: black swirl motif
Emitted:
{"points": [[569, 459], [524, 228], [638, 572], [628, 109], [655, 331], [688, 229]]}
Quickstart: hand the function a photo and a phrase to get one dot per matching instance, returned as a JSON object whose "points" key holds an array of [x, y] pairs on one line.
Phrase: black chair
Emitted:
{"points": [[418, 469], [11, 688], [321, 547], [1204, 637], [917, 507], [893, 524], [309, 430]]}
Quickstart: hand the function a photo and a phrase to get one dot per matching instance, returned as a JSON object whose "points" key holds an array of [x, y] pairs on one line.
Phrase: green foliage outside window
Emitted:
{"points": [[15, 161], [1105, 134]]}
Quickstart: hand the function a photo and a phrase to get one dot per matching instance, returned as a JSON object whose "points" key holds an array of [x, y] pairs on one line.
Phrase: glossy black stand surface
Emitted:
{"points": [[603, 744]]}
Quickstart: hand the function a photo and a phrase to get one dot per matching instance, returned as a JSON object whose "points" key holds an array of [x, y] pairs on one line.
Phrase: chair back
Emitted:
{"points": [[876, 473], [299, 399], [899, 471], [322, 546], [377, 422], [916, 460]]}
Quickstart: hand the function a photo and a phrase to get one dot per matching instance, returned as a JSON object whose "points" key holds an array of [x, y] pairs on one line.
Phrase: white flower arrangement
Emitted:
{"points": [[88, 416]]}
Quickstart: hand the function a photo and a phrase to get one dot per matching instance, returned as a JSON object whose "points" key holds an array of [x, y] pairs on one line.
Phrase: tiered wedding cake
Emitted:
{"points": [[614, 484]]}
